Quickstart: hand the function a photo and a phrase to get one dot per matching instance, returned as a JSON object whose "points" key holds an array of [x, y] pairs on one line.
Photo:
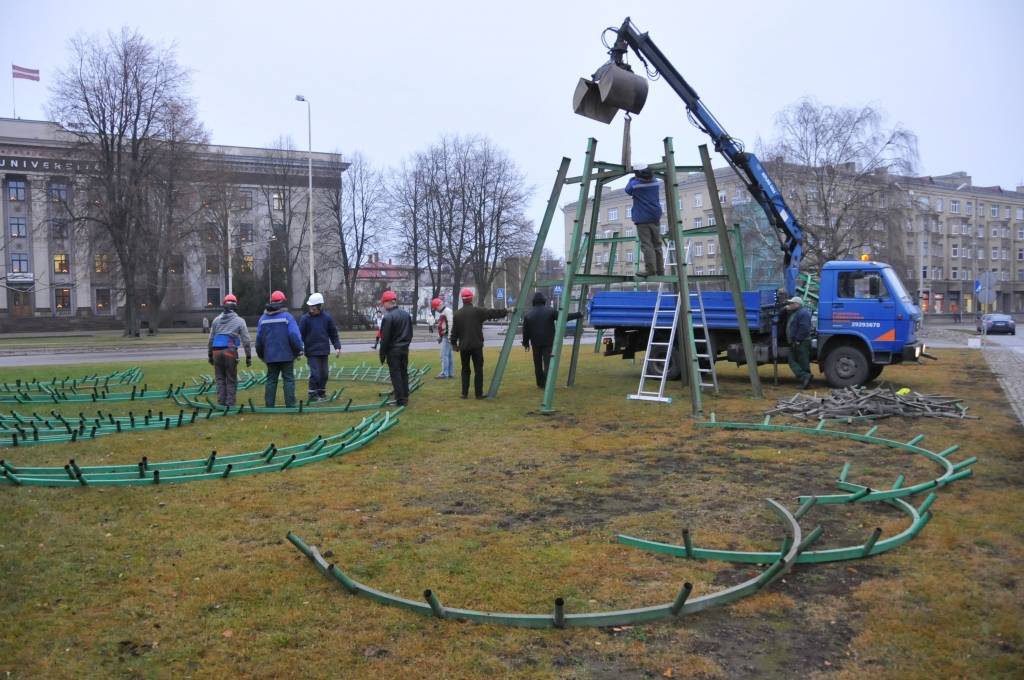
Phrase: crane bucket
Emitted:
{"points": [[622, 89], [586, 101]]}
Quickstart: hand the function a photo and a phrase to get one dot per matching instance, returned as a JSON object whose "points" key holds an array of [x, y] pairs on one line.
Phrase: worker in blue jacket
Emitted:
{"points": [[278, 344], [319, 334], [646, 214], [798, 332]]}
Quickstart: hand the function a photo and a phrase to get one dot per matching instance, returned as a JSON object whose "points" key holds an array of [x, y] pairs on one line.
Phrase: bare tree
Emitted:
{"points": [[119, 97], [282, 189], [408, 202], [836, 167]]}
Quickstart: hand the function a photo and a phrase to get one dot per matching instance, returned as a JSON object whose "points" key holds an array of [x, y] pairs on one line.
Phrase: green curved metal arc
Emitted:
{"points": [[918, 520], [679, 607], [863, 494]]}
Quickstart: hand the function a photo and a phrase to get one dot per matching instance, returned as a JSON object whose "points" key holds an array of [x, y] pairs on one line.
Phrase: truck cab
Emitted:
{"points": [[866, 321]]}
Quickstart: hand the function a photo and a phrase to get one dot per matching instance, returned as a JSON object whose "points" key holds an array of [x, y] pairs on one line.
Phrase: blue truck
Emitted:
{"points": [[866, 320]]}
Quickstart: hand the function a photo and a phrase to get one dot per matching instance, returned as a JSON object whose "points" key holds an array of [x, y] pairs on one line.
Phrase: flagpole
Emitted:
{"points": [[14, 105]]}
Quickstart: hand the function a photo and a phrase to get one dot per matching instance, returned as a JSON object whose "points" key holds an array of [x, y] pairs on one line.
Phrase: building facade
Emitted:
{"points": [[61, 273], [951, 234]]}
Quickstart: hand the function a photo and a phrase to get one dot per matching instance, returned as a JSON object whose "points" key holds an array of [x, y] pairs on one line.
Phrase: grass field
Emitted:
{"points": [[497, 507]]}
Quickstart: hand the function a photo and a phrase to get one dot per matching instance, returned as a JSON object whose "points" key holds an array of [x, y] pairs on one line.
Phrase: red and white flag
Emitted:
{"points": [[25, 73]]}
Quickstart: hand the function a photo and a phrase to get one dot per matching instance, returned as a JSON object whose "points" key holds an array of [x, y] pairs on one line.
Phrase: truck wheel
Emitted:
{"points": [[875, 371], [674, 365], [845, 366]]}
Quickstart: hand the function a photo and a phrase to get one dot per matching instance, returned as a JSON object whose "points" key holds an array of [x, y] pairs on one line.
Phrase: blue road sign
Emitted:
{"points": [[558, 290], [977, 286], [500, 294]]}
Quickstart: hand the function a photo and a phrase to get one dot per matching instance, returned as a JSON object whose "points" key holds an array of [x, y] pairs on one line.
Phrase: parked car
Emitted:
{"points": [[997, 323]]}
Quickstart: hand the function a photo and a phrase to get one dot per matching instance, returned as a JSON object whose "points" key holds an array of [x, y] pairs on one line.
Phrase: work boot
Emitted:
{"points": [[805, 382]]}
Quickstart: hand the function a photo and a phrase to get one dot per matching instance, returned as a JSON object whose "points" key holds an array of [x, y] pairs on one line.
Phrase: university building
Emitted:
{"points": [[59, 275], [943, 235]]}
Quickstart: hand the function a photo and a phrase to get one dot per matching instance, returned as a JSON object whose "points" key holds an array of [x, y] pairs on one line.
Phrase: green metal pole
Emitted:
{"points": [[741, 265], [528, 278], [684, 334], [730, 269], [595, 214], [570, 274]]}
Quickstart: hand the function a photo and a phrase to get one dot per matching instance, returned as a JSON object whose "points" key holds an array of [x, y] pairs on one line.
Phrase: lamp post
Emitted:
{"points": [[309, 197]]}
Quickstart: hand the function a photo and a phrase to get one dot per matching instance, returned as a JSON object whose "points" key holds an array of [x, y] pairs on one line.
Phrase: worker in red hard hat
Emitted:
{"points": [[227, 333], [278, 344], [444, 327], [467, 337], [395, 336]]}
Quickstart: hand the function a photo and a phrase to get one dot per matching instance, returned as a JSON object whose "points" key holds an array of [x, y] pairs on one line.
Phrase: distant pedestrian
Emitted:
{"points": [[227, 334], [646, 214], [467, 337], [377, 322], [206, 325], [798, 332], [444, 327], [319, 334], [955, 308], [395, 336], [539, 331], [278, 344]]}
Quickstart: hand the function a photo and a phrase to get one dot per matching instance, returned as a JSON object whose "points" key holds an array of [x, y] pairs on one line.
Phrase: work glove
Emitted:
{"points": [[248, 361]]}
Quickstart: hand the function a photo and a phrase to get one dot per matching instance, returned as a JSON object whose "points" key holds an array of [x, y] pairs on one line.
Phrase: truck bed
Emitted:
{"points": [[630, 309]]}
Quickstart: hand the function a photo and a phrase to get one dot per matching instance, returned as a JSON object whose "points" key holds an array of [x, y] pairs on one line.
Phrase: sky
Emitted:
{"points": [[387, 79]]}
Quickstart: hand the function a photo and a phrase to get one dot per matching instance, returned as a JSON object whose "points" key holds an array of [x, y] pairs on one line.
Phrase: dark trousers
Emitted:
{"points": [[477, 357], [225, 371], [800, 358], [541, 360], [398, 367], [650, 248], [286, 370], [317, 376]]}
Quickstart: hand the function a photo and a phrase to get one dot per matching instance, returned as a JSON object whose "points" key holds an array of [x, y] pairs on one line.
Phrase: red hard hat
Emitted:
{"points": [[466, 294], [229, 298], [277, 296], [436, 303], [388, 296]]}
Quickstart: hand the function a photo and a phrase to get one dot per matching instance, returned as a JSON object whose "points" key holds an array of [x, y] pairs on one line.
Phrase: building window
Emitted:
{"points": [[969, 208], [59, 193], [102, 300], [937, 273], [1020, 254], [698, 222], [711, 220], [245, 233], [954, 273], [629, 255], [16, 190], [698, 271], [212, 264], [698, 200], [101, 263], [698, 249], [954, 228], [19, 227], [245, 199], [938, 204], [277, 198], [995, 253], [995, 232], [980, 231], [211, 232], [248, 263], [631, 232], [954, 251], [711, 247], [1006, 213], [629, 212], [924, 273], [213, 297], [954, 207], [60, 230], [613, 214], [62, 300], [176, 265], [722, 197], [993, 210], [60, 264], [19, 263], [1020, 214]]}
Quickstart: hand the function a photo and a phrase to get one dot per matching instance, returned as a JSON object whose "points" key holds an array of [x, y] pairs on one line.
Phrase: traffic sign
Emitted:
{"points": [[977, 286], [558, 290], [500, 294]]}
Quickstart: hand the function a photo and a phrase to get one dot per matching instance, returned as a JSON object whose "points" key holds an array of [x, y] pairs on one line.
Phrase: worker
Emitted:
{"points": [[395, 336], [319, 335], [444, 327], [798, 333], [278, 344], [467, 337], [646, 214], [227, 334], [539, 331]]}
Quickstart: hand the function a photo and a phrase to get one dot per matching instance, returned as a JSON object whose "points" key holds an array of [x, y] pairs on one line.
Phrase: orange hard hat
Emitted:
{"points": [[466, 294], [230, 299], [277, 296], [388, 296], [436, 304]]}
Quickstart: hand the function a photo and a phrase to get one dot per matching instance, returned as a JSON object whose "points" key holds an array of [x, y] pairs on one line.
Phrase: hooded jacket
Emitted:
{"points": [[539, 323], [319, 334], [277, 335], [229, 331]]}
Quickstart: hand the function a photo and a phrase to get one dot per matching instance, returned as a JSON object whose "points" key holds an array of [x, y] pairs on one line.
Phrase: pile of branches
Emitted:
{"points": [[862, 403]]}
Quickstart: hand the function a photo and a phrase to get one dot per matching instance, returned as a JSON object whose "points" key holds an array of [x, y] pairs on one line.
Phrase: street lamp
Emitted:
{"points": [[309, 198]]}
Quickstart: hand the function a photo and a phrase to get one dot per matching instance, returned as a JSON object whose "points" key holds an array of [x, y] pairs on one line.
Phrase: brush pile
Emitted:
{"points": [[863, 403]]}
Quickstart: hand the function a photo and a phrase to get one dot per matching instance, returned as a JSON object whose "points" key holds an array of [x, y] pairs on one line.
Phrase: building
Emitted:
{"points": [[63, 274], [951, 233]]}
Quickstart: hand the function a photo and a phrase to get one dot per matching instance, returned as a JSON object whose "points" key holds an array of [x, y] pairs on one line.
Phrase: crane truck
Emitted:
{"points": [[865, 318]]}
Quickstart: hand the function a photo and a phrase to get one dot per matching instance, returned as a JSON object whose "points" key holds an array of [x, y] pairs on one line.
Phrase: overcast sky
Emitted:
{"points": [[388, 78]]}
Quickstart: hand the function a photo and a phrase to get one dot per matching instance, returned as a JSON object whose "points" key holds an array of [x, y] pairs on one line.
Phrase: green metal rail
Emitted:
{"points": [[146, 472], [127, 376], [94, 395], [681, 605]]}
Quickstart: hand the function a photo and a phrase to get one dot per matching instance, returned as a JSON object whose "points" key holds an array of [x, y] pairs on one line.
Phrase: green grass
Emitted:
{"points": [[497, 507]]}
